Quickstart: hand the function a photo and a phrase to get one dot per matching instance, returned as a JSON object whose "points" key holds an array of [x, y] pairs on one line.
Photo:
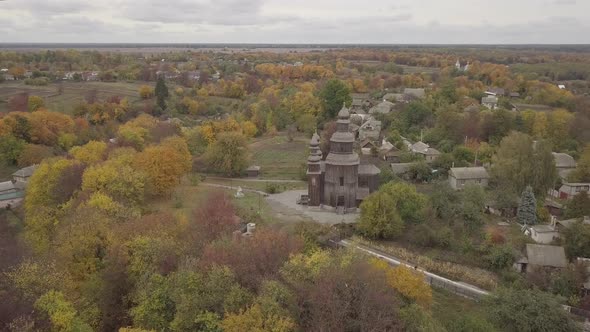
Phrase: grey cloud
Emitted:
{"points": [[50, 7], [214, 12]]}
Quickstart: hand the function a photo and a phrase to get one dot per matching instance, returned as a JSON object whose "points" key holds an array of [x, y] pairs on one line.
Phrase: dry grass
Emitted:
{"points": [[472, 275]]}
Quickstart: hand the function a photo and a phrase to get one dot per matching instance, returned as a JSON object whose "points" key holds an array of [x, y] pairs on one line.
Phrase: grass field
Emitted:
{"points": [[188, 197], [279, 158], [6, 172], [258, 185], [73, 93], [449, 309]]}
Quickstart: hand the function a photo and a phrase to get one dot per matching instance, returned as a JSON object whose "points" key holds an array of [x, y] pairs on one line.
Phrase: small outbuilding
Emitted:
{"points": [[253, 171]]}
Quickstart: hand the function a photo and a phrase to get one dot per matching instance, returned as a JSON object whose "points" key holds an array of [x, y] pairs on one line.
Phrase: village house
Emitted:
{"points": [[360, 102], [24, 174], [459, 177], [416, 93], [340, 182], [491, 102], [370, 129], [564, 163], [401, 169], [12, 192], [393, 155], [514, 95], [394, 97], [366, 146], [383, 107], [9, 77], [569, 190], [496, 92], [539, 256], [429, 154]]}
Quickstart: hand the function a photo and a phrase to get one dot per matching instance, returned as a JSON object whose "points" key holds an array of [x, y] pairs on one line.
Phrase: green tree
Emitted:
{"points": [[577, 240], [528, 311], [384, 213], [579, 206], [229, 154], [161, 93], [519, 163], [61, 313], [527, 208], [35, 103], [10, 149], [334, 94], [582, 171]]}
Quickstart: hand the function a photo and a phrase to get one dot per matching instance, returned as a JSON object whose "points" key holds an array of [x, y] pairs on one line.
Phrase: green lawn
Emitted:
{"points": [[448, 308], [279, 158], [258, 185], [187, 197], [6, 172]]}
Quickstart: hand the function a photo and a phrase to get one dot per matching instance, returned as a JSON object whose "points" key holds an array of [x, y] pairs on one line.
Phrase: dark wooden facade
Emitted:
{"points": [[335, 181]]}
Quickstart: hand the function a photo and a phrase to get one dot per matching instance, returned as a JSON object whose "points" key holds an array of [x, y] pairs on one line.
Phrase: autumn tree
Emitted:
{"points": [[90, 153], [254, 319], [409, 283], [228, 154], [146, 92], [61, 313], [34, 154], [334, 94], [577, 240], [163, 165]]}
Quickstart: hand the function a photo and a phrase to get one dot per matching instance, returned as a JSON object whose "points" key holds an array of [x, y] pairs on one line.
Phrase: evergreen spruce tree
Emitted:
{"points": [[527, 209], [161, 93]]}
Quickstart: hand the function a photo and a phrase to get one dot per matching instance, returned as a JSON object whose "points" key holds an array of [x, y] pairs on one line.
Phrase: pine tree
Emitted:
{"points": [[527, 209], [161, 93]]}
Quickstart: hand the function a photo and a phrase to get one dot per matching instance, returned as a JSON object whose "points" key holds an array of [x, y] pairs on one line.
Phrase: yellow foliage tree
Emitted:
{"points": [[163, 166], [254, 319], [90, 153], [407, 282], [249, 129], [146, 91]]}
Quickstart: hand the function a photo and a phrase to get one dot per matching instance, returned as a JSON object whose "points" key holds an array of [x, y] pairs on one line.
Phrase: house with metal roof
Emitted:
{"points": [[564, 163], [541, 256], [459, 177]]}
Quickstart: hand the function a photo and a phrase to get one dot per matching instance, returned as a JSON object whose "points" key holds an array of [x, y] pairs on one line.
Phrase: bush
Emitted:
{"points": [[500, 257], [273, 188], [40, 81]]}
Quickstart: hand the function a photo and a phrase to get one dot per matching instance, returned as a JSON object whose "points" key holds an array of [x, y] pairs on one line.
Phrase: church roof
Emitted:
{"points": [[315, 140]]}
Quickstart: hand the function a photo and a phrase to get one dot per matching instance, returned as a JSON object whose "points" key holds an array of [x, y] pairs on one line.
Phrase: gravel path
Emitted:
{"points": [[285, 204]]}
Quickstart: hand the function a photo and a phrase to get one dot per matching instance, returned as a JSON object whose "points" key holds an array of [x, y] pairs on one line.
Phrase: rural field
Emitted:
{"points": [[73, 93], [279, 158]]}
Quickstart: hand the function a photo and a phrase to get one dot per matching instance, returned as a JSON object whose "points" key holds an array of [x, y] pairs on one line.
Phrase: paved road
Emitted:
{"points": [[459, 288]]}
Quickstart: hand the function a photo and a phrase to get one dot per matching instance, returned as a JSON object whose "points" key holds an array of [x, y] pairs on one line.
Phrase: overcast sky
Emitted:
{"points": [[296, 21]]}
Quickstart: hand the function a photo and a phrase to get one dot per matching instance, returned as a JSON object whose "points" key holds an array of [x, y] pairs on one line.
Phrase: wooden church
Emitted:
{"points": [[339, 182]]}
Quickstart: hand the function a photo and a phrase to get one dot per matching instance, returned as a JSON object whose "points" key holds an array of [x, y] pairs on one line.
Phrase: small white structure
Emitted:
{"points": [[491, 102], [239, 193], [543, 234], [561, 86]]}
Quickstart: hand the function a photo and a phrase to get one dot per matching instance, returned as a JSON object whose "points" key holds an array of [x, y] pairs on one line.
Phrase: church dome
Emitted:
{"points": [[344, 113]]}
